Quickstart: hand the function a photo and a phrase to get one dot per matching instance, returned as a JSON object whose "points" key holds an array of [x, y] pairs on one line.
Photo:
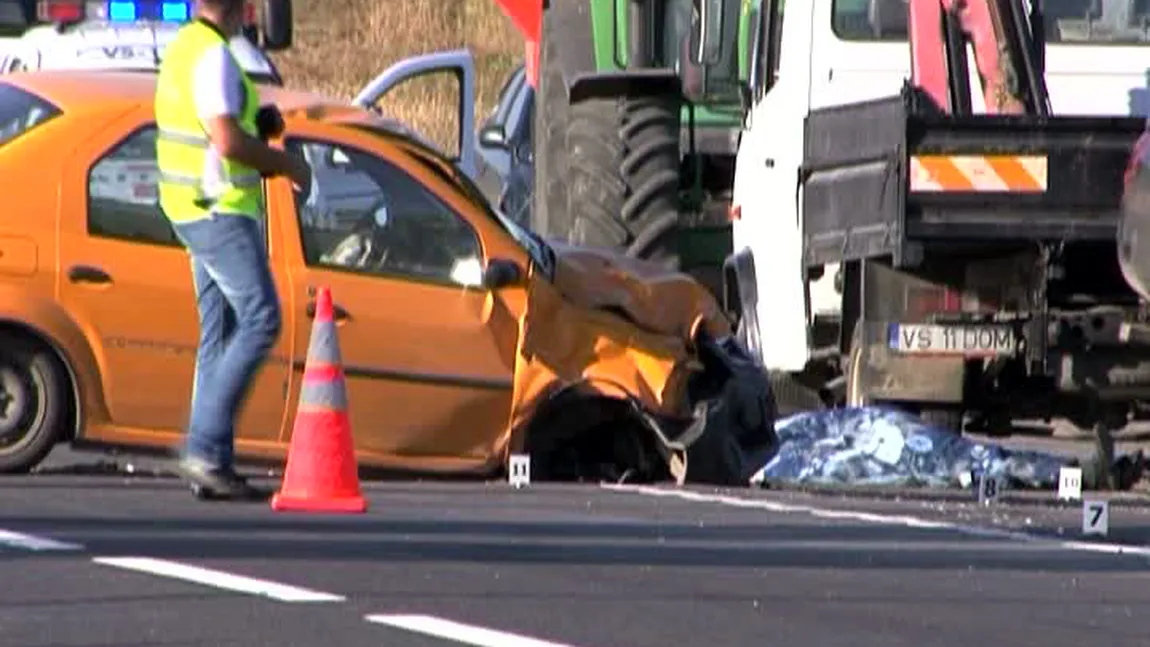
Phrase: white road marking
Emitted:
{"points": [[32, 542], [884, 519], [218, 579], [461, 633]]}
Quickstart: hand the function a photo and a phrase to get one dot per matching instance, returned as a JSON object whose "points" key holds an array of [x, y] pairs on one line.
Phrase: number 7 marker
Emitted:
{"points": [[1095, 517]]}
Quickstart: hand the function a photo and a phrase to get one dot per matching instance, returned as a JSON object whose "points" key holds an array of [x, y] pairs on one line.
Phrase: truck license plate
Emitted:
{"points": [[969, 341]]}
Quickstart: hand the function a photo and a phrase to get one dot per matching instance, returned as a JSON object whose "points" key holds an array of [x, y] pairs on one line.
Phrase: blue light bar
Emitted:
{"points": [[121, 11], [132, 10], [176, 11]]}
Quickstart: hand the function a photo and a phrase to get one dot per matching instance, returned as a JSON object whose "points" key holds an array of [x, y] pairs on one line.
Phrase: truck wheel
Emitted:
{"points": [[624, 176], [33, 403]]}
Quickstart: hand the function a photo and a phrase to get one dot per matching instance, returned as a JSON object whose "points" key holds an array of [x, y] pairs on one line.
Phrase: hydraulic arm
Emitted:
{"points": [[1008, 51]]}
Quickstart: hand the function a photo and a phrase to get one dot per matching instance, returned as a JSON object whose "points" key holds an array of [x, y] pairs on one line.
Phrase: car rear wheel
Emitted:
{"points": [[33, 403]]}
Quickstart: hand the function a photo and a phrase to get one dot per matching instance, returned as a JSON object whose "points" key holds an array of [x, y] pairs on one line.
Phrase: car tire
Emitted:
{"points": [[33, 403]]}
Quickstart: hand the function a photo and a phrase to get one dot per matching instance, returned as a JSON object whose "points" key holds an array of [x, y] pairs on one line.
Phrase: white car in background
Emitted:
{"points": [[131, 35]]}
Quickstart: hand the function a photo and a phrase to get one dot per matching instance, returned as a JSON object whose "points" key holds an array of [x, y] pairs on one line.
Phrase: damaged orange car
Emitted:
{"points": [[464, 337]]}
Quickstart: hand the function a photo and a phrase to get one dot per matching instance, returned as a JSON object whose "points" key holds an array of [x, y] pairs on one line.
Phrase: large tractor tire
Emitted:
{"points": [[606, 169], [623, 190], [566, 25]]}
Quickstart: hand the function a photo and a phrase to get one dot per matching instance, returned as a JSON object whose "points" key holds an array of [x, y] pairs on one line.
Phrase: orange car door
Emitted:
{"points": [[126, 278], [428, 355]]}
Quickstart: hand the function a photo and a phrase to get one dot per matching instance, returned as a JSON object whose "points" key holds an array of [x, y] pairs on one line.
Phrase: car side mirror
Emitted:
{"points": [[276, 25], [501, 273], [493, 137]]}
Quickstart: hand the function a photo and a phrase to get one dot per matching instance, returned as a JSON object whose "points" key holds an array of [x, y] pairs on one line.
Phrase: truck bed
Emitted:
{"points": [[882, 176]]}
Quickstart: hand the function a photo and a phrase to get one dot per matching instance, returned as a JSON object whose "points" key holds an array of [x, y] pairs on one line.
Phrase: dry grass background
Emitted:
{"points": [[340, 45]]}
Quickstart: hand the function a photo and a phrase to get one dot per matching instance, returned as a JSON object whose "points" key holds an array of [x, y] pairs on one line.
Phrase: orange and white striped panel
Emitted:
{"points": [[979, 173]]}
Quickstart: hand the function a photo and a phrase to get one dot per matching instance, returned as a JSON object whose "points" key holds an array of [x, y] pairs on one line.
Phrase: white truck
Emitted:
{"points": [[821, 54]]}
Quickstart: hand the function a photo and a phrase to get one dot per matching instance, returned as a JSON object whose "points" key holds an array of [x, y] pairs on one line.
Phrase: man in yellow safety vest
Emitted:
{"points": [[211, 161]]}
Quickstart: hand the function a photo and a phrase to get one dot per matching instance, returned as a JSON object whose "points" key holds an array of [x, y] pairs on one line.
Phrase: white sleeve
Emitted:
{"points": [[218, 89]]}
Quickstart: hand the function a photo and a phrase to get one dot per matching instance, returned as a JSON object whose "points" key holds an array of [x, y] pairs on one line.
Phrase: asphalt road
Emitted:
{"points": [[578, 566]]}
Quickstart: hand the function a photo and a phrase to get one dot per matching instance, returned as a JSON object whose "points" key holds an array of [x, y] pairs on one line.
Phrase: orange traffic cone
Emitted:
{"points": [[321, 474]]}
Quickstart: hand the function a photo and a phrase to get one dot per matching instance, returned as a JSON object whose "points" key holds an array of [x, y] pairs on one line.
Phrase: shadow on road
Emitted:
{"points": [[769, 545]]}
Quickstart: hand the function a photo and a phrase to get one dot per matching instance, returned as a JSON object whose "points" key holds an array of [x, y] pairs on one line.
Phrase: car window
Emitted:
{"points": [[21, 111], [367, 215], [123, 193]]}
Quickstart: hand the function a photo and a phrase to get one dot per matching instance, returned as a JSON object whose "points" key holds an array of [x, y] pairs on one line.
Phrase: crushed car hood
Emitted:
{"points": [[609, 357], [653, 298]]}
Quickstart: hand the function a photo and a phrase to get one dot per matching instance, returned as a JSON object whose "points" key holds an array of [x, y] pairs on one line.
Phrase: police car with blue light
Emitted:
{"points": [[129, 34]]}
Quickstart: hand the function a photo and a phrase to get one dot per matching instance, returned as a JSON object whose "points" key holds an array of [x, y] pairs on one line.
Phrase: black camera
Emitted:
{"points": [[269, 122]]}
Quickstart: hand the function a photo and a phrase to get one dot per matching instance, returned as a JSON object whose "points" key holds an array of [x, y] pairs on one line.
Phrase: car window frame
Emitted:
{"points": [[534, 247], [328, 139], [518, 122], [506, 98], [50, 111]]}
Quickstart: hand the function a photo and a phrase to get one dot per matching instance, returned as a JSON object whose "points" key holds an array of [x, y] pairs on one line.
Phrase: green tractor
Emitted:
{"points": [[638, 109]]}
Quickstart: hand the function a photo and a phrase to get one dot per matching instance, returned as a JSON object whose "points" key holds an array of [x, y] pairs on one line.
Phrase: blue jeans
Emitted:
{"points": [[240, 321]]}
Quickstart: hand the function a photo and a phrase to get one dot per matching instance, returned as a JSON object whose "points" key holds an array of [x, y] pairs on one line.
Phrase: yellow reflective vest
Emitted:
{"points": [[195, 180]]}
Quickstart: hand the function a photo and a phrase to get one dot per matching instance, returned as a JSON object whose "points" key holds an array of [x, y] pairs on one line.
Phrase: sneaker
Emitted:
{"points": [[214, 483]]}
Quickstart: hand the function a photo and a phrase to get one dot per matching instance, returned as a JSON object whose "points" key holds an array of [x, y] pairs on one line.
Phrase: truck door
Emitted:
{"points": [[430, 76], [766, 228]]}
